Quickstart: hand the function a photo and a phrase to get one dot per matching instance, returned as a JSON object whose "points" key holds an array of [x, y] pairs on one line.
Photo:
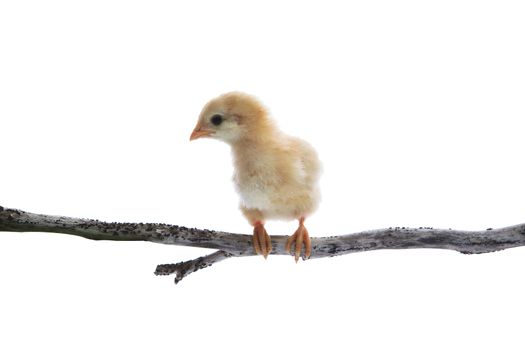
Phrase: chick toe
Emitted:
{"points": [[262, 242], [300, 238]]}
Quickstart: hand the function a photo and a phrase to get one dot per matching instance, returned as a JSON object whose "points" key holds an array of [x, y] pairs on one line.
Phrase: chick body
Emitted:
{"points": [[277, 179]]}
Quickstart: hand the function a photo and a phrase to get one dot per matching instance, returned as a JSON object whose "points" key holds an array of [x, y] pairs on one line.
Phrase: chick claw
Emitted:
{"points": [[299, 237], [261, 240]]}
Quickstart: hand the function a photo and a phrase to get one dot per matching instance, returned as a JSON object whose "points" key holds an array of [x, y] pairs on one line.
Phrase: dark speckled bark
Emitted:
{"points": [[231, 245]]}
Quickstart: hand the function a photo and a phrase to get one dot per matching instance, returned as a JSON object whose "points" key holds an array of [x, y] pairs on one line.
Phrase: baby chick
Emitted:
{"points": [[276, 175]]}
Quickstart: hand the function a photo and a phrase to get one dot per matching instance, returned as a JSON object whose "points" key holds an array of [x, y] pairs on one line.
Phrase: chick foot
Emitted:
{"points": [[300, 237], [261, 240]]}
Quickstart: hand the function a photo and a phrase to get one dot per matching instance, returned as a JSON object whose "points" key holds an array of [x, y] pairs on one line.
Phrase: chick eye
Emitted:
{"points": [[216, 119]]}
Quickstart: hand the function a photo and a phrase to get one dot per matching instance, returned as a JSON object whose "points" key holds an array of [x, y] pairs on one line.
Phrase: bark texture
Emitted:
{"points": [[236, 245]]}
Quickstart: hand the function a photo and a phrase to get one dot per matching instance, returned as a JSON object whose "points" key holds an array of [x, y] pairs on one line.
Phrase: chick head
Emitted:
{"points": [[231, 117]]}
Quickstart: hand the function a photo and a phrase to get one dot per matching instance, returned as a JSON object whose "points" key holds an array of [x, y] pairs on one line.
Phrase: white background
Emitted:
{"points": [[415, 108]]}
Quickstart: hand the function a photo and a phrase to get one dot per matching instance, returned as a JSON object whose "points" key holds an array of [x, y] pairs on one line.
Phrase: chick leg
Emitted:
{"points": [[300, 237], [261, 240]]}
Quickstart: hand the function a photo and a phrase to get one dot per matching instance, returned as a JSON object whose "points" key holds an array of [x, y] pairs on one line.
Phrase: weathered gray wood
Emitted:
{"points": [[184, 268], [236, 245]]}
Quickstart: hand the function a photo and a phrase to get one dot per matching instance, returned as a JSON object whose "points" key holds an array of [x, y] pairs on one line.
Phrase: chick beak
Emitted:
{"points": [[199, 132]]}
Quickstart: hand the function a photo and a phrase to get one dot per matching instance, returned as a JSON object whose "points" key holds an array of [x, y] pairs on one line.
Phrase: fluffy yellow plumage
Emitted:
{"points": [[276, 175]]}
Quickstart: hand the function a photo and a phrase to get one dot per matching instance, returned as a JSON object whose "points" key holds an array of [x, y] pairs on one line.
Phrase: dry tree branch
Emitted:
{"points": [[236, 245]]}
